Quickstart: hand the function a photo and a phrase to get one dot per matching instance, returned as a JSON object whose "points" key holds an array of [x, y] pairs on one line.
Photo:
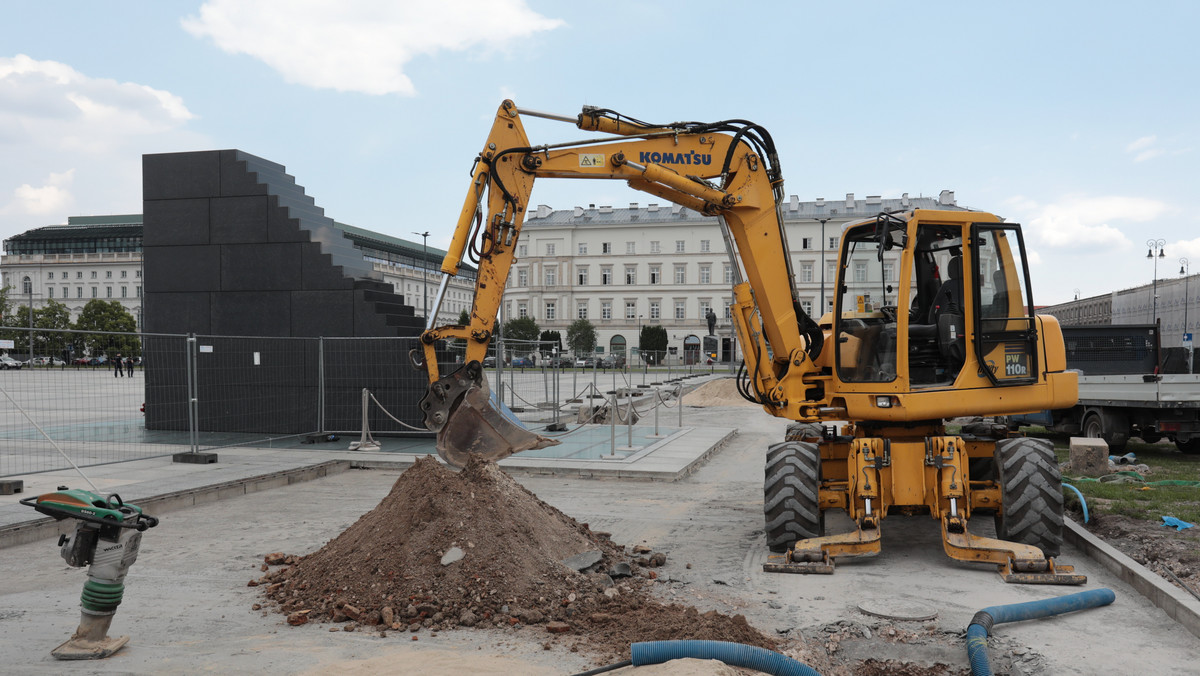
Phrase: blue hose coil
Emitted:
{"points": [[1081, 501], [981, 624], [733, 654]]}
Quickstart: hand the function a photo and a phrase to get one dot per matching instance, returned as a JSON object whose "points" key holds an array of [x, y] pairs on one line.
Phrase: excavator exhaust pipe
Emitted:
{"points": [[460, 409]]}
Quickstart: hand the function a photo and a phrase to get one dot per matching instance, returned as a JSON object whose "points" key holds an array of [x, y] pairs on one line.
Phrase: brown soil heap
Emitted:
{"points": [[386, 570]]}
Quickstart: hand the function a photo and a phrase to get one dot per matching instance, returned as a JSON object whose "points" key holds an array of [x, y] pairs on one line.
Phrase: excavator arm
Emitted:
{"points": [[727, 169]]}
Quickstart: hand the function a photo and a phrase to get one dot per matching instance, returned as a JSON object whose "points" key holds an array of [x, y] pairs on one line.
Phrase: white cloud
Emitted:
{"points": [[71, 141], [53, 196], [1083, 223], [1141, 144], [360, 46]]}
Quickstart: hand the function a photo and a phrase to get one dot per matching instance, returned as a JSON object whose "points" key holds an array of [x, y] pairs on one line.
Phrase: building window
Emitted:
{"points": [[79, 274], [124, 274], [606, 309], [137, 273], [806, 305], [655, 274], [79, 291], [549, 249], [522, 250], [681, 274], [582, 272], [889, 269], [551, 275], [139, 291], [26, 286], [50, 275], [108, 292], [860, 271], [522, 310], [606, 275], [108, 274], [655, 309], [833, 243], [806, 272], [806, 243], [705, 246], [93, 274], [655, 248], [124, 291], [831, 270], [630, 309], [583, 248], [630, 247], [706, 274], [680, 309], [95, 292], [728, 276], [679, 246], [551, 308], [50, 292], [606, 247], [522, 277], [581, 310], [631, 274]]}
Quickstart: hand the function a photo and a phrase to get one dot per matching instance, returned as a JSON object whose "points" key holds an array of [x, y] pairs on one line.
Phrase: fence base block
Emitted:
{"points": [[11, 486], [194, 458]]}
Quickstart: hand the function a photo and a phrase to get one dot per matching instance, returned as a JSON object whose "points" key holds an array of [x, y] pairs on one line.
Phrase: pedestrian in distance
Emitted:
{"points": [[117, 373], [129, 366]]}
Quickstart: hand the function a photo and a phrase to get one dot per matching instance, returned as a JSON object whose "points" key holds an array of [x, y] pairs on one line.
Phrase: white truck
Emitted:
{"points": [[1126, 389]]}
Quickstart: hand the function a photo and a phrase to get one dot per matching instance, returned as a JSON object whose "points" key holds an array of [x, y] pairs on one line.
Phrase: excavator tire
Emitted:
{"points": [[793, 479], [1030, 493], [799, 431]]}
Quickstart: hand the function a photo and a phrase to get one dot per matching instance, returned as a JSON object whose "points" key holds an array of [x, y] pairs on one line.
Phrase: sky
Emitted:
{"points": [[1078, 120]]}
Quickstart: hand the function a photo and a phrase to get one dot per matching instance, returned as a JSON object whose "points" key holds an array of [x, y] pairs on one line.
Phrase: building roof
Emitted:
{"points": [[79, 227], [793, 209]]}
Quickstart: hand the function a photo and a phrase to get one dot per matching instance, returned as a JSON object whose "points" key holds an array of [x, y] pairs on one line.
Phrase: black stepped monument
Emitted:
{"points": [[233, 247]]}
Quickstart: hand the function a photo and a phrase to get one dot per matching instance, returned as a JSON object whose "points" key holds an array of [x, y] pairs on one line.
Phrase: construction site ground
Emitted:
{"points": [[189, 608]]}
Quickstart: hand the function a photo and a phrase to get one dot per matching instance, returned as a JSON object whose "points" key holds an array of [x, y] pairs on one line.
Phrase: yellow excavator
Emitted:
{"points": [[932, 319]]}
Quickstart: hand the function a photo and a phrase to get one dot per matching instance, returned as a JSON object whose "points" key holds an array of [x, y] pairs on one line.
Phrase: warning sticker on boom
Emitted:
{"points": [[591, 159]]}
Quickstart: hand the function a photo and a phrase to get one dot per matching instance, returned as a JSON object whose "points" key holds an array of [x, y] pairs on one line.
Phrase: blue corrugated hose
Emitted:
{"points": [[981, 624], [733, 654], [1081, 500]]}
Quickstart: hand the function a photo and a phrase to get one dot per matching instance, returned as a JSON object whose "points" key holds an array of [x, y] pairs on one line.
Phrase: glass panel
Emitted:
{"points": [[866, 324], [1007, 339]]}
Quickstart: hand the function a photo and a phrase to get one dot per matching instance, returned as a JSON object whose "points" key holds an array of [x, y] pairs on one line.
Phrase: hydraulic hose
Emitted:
{"points": [[981, 624], [733, 654], [1082, 501]]}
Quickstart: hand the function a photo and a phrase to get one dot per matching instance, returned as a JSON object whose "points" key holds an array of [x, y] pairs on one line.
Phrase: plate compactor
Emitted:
{"points": [[108, 533]]}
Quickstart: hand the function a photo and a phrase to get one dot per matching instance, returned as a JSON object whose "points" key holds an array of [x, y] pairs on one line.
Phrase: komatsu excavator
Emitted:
{"points": [[932, 320]]}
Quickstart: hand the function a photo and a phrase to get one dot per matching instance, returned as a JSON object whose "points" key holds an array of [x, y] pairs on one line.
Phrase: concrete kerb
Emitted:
{"points": [[1176, 603], [45, 527]]}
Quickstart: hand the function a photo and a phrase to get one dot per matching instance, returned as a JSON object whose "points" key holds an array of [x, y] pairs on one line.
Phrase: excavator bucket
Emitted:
{"points": [[459, 407]]}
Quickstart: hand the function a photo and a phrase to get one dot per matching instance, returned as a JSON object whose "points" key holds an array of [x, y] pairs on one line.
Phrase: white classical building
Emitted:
{"points": [[622, 268]]}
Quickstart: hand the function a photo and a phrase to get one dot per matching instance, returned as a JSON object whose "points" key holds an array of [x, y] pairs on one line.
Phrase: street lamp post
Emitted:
{"points": [[1183, 270], [1155, 244], [424, 274]]}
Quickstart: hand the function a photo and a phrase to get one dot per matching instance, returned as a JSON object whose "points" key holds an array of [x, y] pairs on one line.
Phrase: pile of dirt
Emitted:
{"points": [[476, 549], [1174, 555], [721, 392]]}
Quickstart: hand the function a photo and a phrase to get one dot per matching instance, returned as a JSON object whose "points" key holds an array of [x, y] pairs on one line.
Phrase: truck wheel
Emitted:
{"points": [[790, 494], [1111, 427], [1031, 501], [1191, 446], [804, 432]]}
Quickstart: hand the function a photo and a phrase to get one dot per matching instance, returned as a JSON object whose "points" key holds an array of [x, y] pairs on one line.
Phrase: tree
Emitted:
{"points": [[111, 317], [581, 336], [53, 319], [521, 329], [653, 343]]}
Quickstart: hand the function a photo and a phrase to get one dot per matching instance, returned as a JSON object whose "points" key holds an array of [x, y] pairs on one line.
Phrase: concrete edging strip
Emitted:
{"points": [[1176, 603], [45, 527]]}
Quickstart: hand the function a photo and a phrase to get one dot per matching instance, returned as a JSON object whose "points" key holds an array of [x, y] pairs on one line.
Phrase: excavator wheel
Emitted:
{"points": [[799, 431], [1031, 508], [793, 479]]}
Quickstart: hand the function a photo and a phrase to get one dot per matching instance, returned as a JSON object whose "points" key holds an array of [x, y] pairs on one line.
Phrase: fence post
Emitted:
{"points": [[612, 426], [192, 390], [679, 402], [321, 384]]}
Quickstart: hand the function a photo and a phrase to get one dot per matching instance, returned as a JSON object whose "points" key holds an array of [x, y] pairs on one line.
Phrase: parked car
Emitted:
{"points": [[489, 361], [522, 362], [561, 362], [98, 361], [613, 361], [586, 362], [7, 362], [81, 361]]}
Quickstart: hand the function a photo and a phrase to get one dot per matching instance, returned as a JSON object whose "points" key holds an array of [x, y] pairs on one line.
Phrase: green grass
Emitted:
{"points": [[1148, 503]]}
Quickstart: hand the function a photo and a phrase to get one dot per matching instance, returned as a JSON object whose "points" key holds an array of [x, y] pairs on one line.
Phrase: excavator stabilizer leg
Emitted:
{"points": [[459, 408]]}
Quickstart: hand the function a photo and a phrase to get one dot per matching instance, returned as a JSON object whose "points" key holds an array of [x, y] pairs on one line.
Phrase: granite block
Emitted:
{"points": [[175, 222], [181, 175], [260, 267], [182, 268], [239, 220]]}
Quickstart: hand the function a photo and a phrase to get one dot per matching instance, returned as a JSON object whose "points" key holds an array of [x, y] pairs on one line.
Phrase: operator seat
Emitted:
{"points": [[937, 348]]}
